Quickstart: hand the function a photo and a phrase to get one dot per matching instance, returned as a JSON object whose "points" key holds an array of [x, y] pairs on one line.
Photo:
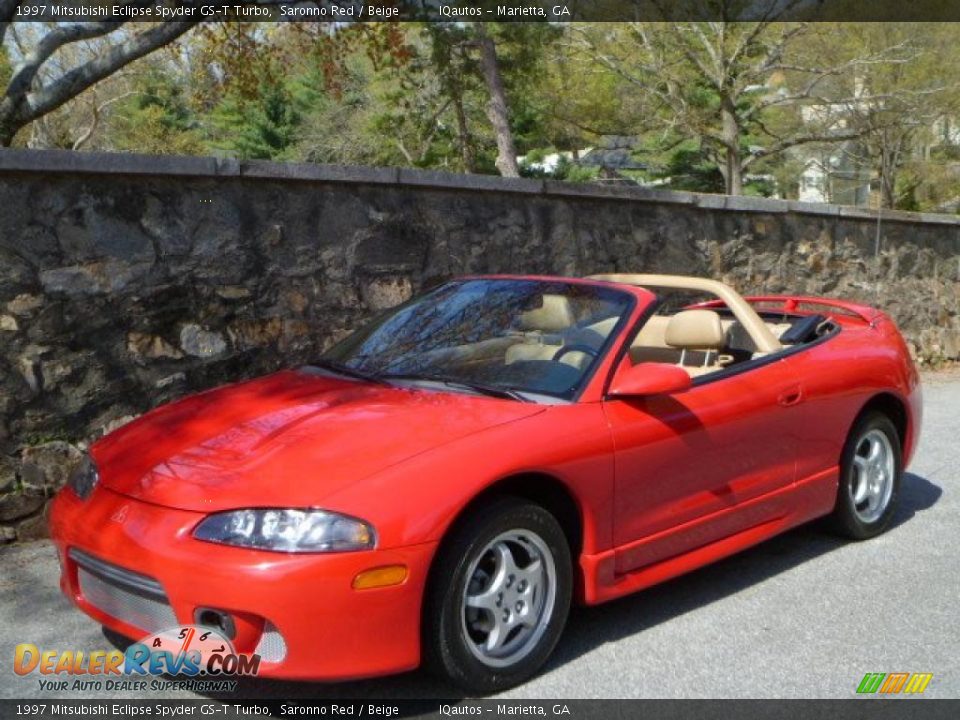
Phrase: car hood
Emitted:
{"points": [[284, 440]]}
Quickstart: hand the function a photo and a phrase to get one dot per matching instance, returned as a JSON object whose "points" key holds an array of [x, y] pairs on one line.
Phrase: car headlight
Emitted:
{"points": [[287, 530], [84, 477]]}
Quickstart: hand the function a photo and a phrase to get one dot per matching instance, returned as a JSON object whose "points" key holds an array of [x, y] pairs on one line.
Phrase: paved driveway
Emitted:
{"points": [[803, 615]]}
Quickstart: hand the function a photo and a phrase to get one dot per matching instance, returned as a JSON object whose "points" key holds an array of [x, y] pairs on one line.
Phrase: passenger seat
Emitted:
{"points": [[699, 336]]}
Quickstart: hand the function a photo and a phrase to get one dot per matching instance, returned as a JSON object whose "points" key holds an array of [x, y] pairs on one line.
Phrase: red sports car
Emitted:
{"points": [[443, 483]]}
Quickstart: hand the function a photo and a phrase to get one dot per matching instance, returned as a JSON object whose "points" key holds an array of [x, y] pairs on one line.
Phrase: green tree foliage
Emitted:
{"points": [[737, 107], [6, 68], [901, 103], [524, 50], [420, 99], [264, 127], [736, 87], [156, 117], [688, 167]]}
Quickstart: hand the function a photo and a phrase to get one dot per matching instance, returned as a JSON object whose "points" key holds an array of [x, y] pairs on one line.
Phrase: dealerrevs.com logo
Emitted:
{"points": [[894, 683], [199, 658]]}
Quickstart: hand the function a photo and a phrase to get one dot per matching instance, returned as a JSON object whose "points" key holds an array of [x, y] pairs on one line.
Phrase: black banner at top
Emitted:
{"points": [[346, 11]]}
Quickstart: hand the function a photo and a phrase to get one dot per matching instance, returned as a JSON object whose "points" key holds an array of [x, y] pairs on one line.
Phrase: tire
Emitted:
{"points": [[532, 601], [869, 489]]}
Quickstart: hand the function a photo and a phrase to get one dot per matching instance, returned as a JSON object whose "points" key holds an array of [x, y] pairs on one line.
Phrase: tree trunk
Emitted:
{"points": [[463, 132], [887, 183], [733, 170], [890, 154], [8, 128], [497, 107], [734, 175]]}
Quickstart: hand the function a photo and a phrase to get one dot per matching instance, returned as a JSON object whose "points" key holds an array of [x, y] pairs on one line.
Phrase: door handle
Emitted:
{"points": [[790, 397]]}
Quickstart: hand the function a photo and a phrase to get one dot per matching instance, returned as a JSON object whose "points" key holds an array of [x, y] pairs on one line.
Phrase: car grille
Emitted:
{"points": [[135, 599], [272, 647]]}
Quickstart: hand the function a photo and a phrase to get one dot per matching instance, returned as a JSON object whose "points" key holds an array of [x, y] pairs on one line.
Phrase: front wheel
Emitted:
{"points": [[499, 596], [870, 472]]}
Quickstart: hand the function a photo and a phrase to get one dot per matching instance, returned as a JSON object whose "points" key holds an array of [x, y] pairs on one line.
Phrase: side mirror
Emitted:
{"points": [[649, 378]]}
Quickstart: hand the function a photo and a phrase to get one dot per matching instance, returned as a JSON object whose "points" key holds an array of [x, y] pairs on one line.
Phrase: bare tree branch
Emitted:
{"points": [[787, 143], [773, 55], [818, 75], [79, 79], [27, 70], [27, 99], [748, 40], [96, 112], [434, 125], [407, 155], [714, 74]]}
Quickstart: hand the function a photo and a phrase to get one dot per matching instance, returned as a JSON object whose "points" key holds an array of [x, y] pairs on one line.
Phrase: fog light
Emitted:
{"points": [[216, 619], [380, 577]]}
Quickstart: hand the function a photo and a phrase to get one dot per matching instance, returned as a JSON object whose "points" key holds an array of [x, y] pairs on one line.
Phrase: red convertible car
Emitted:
{"points": [[441, 485]]}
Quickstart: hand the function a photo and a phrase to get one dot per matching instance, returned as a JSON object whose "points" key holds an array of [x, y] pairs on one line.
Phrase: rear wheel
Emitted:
{"points": [[499, 596], [870, 472]]}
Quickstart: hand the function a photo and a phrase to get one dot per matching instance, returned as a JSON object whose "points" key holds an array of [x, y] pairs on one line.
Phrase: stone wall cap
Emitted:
{"points": [[748, 203], [937, 219], [812, 208], [635, 193], [269, 170], [712, 202], [464, 181], [101, 163], [71, 161]]}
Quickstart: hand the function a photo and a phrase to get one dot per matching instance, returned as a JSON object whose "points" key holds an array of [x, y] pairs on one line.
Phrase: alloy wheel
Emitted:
{"points": [[509, 598], [874, 468]]}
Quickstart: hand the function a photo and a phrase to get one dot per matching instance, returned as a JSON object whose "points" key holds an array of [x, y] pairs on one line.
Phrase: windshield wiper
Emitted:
{"points": [[341, 369], [490, 390]]}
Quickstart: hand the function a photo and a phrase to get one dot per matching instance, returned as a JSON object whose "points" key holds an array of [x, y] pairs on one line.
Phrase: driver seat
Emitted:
{"points": [[543, 330]]}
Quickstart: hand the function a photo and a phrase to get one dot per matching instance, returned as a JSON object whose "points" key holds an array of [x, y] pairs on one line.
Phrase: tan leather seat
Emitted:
{"points": [[650, 344], [554, 316], [699, 331], [530, 349]]}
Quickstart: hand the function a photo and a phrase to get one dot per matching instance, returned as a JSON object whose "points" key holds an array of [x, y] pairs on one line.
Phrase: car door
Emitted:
{"points": [[704, 464]]}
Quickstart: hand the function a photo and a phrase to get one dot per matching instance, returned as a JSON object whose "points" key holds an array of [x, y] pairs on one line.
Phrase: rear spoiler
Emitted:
{"points": [[792, 303]]}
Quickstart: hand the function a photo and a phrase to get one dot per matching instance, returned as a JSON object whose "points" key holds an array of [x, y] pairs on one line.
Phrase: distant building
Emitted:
{"points": [[844, 174], [946, 131], [549, 163], [837, 175]]}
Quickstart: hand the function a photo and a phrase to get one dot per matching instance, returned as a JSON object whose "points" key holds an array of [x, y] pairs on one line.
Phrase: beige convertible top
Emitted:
{"points": [[752, 323]]}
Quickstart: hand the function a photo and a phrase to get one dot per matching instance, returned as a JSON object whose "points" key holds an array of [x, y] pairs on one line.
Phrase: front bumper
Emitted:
{"points": [[329, 630]]}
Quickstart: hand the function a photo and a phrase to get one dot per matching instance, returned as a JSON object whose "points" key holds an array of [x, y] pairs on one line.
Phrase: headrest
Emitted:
{"points": [[553, 316], [695, 330]]}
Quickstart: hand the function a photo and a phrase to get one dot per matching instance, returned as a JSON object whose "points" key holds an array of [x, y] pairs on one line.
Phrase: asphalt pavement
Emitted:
{"points": [[804, 615]]}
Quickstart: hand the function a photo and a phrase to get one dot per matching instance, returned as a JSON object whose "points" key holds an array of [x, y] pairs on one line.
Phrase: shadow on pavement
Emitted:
{"points": [[590, 628], [916, 494]]}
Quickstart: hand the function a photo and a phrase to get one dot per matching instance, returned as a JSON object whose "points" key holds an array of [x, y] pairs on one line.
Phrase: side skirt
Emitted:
{"points": [[783, 509]]}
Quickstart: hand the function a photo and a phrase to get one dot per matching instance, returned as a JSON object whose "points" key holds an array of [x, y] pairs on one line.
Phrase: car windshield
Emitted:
{"points": [[498, 336]]}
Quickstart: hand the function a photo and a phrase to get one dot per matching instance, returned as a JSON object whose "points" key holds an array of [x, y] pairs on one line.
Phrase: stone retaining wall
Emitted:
{"points": [[127, 281]]}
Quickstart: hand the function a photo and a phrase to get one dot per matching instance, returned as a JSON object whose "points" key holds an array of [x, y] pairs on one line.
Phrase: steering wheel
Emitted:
{"points": [[576, 347]]}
